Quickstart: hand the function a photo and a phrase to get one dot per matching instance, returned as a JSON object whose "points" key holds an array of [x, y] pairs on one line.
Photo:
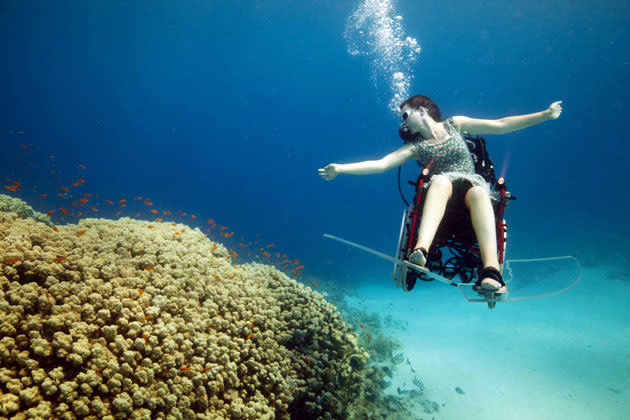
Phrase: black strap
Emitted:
{"points": [[489, 272]]}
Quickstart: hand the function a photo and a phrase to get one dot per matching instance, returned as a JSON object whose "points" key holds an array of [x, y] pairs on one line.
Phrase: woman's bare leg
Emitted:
{"points": [[439, 192], [482, 216]]}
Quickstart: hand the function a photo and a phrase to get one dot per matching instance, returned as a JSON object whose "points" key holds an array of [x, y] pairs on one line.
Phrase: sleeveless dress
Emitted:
{"points": [[450, 158]]}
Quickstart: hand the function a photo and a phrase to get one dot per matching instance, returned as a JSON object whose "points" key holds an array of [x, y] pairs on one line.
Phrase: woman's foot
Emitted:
{"points": [[491, 281], [418, 257]]}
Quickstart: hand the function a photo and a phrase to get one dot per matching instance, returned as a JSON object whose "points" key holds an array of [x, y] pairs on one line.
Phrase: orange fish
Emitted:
{"points": [[123, 205], [270, 246], [81, 166], [210, 221], [158, 219], [209, 367], [11, 261], [184, 368], [57, 259], [55, 229], [148, 203], [299, 267], [43, 195], [229, 235], [81, 232], [122, 201], [213, 225], [314, 284], [80, 181], [98, 373], [47, 295], [147, 317], [150, 227], [94, 209], [49, 213], [146, 339], [222, 228], [87, 195], [64, 211], [216, 276], [79, 214], [193, 216], [173, 224], [214, 247], [83, 200], [250, 336], [148, 268], [140, 292], [118, 213], [362, 326], [154, 211], [110, 202], [137, 198]]}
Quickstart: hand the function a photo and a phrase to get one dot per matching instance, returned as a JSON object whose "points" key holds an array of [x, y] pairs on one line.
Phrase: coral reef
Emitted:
{"points": [[134, 320]]}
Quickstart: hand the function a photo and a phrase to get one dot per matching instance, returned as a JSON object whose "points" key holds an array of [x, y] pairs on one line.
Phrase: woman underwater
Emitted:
{"points": [[439, 146]]}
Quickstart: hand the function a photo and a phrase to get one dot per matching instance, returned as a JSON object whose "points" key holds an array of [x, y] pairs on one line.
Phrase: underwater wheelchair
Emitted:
{"points": [[454, 253]]}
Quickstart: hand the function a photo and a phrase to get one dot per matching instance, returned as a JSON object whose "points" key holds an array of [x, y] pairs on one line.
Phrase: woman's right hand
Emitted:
{"points": [[329, 172]]}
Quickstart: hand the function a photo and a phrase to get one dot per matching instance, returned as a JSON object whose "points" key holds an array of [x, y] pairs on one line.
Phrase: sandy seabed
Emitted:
{"points": [[563, 357]]}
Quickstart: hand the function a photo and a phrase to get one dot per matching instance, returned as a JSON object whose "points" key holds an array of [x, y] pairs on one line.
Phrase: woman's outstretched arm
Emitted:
{"points": [[507, 124], [396, 158]]}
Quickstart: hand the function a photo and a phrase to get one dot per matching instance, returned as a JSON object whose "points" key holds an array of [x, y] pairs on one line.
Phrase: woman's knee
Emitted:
{"points": [[475, 195], [442, 184]]}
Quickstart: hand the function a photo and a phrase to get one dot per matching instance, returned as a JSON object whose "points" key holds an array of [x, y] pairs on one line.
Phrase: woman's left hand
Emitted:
{"points": [[554, 110]]}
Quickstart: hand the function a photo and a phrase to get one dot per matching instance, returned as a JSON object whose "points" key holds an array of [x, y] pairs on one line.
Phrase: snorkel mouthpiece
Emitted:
{"points": [[406, 135]]}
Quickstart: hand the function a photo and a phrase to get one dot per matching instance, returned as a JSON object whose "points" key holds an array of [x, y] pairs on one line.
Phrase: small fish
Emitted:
{"points": [[110, 202], [150, 227], [98, 372], [184, 368], [55, 229], [43, 195], [140, 292], [148, 268], [58, 259], [158, 219], [83, 200], [209, 367], [147, 317], [47, 295], [362, 326], [250, 336], [63, 210], [173, 224], [12, 261], [270, 246], [193, 216], [122, 201], [87, 195], [146, 339], [147, 203], [216, 276], [81, 232], [299, 267], [314, 284], [154, 211], [49, 213], [137, 198], [81, 166], [80, 181], [210, 221], [94, 209]]}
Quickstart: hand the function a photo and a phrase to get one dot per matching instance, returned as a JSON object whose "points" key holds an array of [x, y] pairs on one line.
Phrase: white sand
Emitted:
{"points": [[564, 357]]}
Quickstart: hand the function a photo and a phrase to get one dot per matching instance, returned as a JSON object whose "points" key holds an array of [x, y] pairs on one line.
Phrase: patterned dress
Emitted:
{"points": [[450, 158]]}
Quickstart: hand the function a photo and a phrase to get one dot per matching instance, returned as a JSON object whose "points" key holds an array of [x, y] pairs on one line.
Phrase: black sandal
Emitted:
{"points": [[492, 273], [423, 252]]}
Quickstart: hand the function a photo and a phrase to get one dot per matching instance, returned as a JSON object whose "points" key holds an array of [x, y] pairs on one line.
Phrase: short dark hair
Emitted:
{"points": [[420, 100]]}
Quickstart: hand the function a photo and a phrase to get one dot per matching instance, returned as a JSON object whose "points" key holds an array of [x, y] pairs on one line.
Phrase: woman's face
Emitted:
{"points": [[415, 118]]}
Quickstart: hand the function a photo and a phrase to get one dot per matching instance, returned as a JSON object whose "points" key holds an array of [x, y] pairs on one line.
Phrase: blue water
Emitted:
{"points": [[226, 110]]}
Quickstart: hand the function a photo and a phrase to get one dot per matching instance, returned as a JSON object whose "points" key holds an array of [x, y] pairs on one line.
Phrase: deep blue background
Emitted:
{"points": [[227, 109]]}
